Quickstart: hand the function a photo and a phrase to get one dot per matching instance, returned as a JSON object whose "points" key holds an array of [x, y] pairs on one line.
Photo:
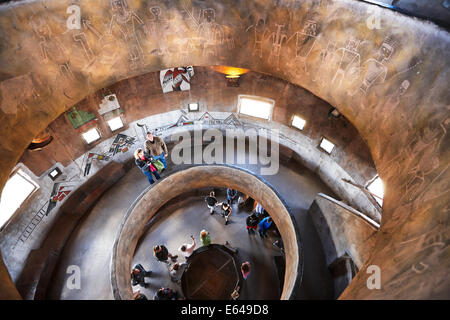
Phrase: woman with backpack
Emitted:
{"points": [[143, 161]]}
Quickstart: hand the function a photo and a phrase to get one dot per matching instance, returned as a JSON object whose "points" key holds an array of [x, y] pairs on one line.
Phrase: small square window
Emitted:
{"points": [[193, 107], [91, 135], [256, 107], [376, 187], [326, 145], [55, 173], [16, 190], [298, 122], [115, 123]]}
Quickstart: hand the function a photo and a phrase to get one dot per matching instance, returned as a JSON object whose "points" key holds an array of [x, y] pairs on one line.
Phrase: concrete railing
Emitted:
{"points": [[342, 230]]}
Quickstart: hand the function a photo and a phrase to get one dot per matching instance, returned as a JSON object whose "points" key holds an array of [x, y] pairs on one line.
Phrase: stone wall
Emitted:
{"points": [[142, 96]]}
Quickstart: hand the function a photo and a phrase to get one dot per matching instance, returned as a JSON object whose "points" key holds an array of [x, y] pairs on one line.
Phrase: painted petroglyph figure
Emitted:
{"points": [[156, 29], [425, 147], [427, 248], [51, 49], [121, 143], [90, 158], [127, 22], [80, 38], [277, 41], [326, 58], [259, 30], [229, 40], [384, 118], [376, 67], [14, 100], [305, 41], [393, 101], [349, 64], [209, 32], [189, 15]]}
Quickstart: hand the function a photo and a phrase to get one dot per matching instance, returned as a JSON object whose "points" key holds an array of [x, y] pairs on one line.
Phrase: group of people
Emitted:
{"points": [[156, 150], [225, 206], [176, 269], [152, 160], [258, 220]]}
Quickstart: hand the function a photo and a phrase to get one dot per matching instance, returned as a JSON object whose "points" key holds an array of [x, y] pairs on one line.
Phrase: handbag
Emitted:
{"points": [[158, 165]]}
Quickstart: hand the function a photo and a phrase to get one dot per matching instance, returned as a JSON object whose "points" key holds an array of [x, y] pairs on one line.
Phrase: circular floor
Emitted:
{"points": [[175, 224]]}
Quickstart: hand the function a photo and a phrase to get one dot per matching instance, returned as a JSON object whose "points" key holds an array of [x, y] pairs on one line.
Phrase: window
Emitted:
{"points": [[193, 106], [91, 135], [298, 122], [377, 189], [326, 145], [17, 189], [115, 123], [255, 107], [55, 173]]}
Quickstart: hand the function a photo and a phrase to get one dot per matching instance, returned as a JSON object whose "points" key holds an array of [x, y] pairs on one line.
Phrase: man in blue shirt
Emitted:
{"points": [[231, 195], [264, 225]]}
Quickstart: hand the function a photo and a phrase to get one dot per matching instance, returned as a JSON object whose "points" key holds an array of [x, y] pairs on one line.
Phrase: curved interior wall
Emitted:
{"points": [[153, 199], [411, 83], [293, 144]]}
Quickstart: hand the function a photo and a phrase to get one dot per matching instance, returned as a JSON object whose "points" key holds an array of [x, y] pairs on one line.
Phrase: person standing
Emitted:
{"points": [[187, 249], [211, 201], [176, 271], [231, 195], [162, 254], [139, 274], [205, 237], [264, 225], [259, 210], [142, 160], [165, 294], [139, 296], [156, 147], [252, 223], [245, 269], [226, 211]]}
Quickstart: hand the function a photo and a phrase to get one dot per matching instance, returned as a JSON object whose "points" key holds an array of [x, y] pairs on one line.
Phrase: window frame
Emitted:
{"points": [[372, 181], [257, 98], [189, 109], [121, 120], [323, 149], [27, 199], [292, 121], [93, 128]]}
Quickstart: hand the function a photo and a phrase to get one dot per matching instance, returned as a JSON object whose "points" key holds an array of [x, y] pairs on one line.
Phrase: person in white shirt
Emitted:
{"points": [[187, 249], [176, 271]]}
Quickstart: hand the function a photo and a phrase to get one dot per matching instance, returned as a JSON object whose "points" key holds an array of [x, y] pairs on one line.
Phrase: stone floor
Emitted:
{"points": [[189, 219], [90, 245]]}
